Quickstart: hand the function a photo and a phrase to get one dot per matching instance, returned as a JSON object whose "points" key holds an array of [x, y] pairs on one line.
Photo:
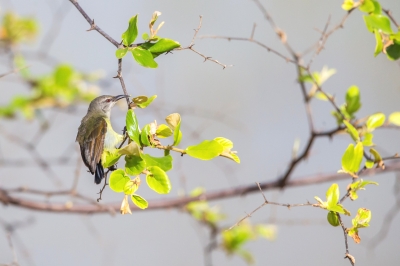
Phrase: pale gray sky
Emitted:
{"points": [[264, 116]]}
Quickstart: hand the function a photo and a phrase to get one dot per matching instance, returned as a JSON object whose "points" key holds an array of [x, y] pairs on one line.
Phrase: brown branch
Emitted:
{"points": [[269, 49], [190, 47], [280, 33], [121, 79], [266, 202], [8, 199], [347, 254], [92, 25], [320, 44], [325, 37], [16, 70], [389, 13]]}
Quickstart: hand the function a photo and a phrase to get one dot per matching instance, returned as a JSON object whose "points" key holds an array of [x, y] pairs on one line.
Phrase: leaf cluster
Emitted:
{"points": [[61, 88], [145, 53], [138, 162], [387, 40]]}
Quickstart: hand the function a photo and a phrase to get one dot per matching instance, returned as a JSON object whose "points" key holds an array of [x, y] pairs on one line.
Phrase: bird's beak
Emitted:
{"points": [[119, 97]]}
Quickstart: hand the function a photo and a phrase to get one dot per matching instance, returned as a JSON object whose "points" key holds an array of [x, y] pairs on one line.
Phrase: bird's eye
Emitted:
{"points": [[108, 100]]}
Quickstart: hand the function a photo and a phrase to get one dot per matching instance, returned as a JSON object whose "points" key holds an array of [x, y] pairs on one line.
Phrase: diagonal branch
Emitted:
{"points": [[93, 26]]}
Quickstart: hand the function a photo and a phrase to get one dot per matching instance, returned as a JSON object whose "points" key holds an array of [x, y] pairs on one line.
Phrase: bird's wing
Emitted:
{"points": [[92, 145]]}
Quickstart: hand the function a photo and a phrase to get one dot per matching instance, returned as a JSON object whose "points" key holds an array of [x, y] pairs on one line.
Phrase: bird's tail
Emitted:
{"points": [[99, 173]]}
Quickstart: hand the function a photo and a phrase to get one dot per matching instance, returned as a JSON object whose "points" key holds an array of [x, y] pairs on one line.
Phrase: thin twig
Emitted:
{"points": [[269, 49], [92, 25], [320, 44], [347, 254], [190, 47], [271, 203], [121, 79], [389, 13], [340, 25], [280, 33]]}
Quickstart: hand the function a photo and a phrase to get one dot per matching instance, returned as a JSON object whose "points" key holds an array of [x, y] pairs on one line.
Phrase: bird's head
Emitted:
{"points": [[105, 103]]}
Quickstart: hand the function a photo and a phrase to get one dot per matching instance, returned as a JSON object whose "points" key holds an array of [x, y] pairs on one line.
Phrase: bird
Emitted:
{"points": [[95, 134]]}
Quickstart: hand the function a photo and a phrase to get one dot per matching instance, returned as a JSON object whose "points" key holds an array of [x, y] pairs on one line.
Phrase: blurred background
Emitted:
{"points": [[256, 103]]}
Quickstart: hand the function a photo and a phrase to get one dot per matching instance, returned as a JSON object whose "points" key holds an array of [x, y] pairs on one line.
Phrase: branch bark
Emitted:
{"points": [[178, 202]]}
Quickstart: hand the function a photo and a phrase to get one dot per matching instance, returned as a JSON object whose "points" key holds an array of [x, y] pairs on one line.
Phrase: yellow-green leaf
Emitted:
{"points": [[206, 150], [375, 121], [139, 201], [394, 118]]}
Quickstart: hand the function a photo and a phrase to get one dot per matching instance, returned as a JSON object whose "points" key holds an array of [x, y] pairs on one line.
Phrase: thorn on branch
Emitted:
{"points": [[92, 26]]}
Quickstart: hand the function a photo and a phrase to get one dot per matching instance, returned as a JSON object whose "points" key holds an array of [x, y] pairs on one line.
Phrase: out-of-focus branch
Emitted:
{"points": [[7, 198], [389, 13]]}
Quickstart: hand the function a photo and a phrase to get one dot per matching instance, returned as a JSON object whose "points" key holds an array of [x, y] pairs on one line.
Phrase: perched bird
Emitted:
{"points": [[95, 134]]}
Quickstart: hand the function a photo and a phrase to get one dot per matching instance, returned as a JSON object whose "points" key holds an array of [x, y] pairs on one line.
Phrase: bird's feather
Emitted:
{"points": [[92, 142]]}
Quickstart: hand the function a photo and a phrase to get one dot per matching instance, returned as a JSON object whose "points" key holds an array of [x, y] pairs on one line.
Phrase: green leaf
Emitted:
{"points": [[177, 135], [130, 187], [130, 149], [132, 126], [332, 195], [375, 121], [163, 131], [352, 158], [367, 141], [347, 5], [144, 136], [379, 43], [226, 143], [393, 51], [119, 53], [206, 150], [321, 202], [158, 180], [376, 155], [378, 8], [139, 99], [377, 22], [134, 165], [321, 96], [129, 36], [359, 185], [367, 6], [353, 103], [369, 164], [362, 218], [147, 103], [145, 36], [352, 131], [118, 179], [394, 118], [333, 219], [154, 18], [109, 158], [144, 57], [234, 157], [139, 201], [267, 231], [165, 163], [174, 122], [164, 45]]}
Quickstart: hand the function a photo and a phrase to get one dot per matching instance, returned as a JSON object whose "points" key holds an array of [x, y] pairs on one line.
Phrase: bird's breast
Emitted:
{"points": [[112, 138]]}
